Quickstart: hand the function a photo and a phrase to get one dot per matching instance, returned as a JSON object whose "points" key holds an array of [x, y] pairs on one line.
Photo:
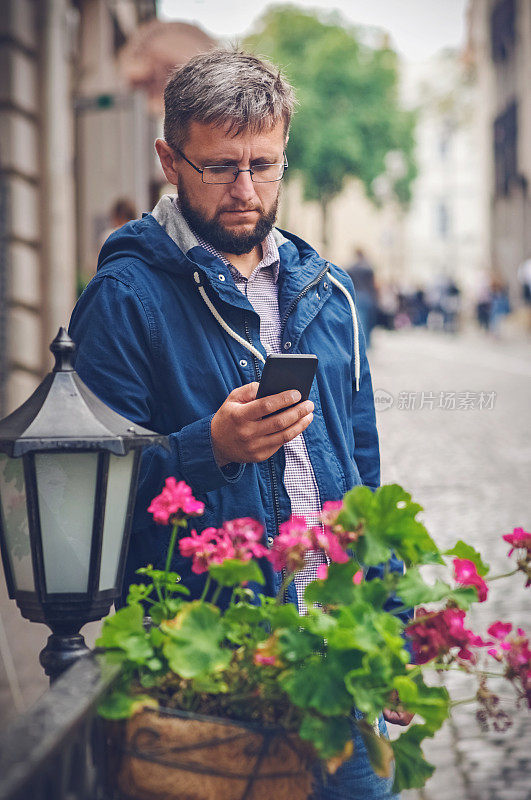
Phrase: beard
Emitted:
{"points": [[223, 239]]}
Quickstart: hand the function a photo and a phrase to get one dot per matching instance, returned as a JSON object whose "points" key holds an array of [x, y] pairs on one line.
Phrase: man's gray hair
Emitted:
{"points": [[225, 87]]}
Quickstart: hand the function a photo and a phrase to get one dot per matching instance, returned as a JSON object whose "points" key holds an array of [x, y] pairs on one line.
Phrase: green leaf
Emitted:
{"points": [[138, 592], [463, 550], [379, 749], [431, 702], [413, 591], [233, 572], [338, 587], [125, 631], [371, 683], [355, 629], [389, 524], [281, 616], [296, 644], [116, 705], [165, 610], [195, 643], [328, 736], [411, 768], [318, 684]]}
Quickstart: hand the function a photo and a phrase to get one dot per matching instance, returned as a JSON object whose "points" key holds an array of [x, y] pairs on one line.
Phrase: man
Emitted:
{"points": [[362, 276], [187, 302]]}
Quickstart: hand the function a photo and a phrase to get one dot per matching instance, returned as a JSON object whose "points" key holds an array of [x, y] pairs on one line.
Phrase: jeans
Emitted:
{"points": [[355, 778]]}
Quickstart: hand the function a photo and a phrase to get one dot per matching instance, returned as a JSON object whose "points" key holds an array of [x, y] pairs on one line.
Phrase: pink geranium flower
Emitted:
{"points": [[465, 573], [205, 548], [357, 577], [291, 545], [322, 572], [519, 539], [435, 634], [175, 502], [268, 661], [327, 541], [245, 535]]}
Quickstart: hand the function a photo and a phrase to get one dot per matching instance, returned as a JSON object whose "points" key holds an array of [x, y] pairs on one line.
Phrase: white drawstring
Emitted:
{"points": [[356, 330], [223, 324], [258, 354]]}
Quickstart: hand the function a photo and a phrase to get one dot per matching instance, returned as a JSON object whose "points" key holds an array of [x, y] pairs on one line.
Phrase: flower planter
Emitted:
{"points": [[174, 755]]}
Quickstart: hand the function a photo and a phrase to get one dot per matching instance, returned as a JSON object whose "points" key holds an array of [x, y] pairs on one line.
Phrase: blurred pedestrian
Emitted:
{"points": [[362, 275], [500, 305]]}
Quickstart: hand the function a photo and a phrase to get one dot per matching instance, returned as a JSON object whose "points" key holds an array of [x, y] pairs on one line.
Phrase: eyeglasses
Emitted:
{"points": [[226, 173]]}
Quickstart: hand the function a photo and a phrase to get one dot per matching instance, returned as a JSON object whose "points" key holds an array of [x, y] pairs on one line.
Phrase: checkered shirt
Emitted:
{"points": [[261, 290]]}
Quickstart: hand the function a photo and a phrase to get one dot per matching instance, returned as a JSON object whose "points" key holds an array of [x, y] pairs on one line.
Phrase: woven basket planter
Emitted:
{"points": [[173, 755]]}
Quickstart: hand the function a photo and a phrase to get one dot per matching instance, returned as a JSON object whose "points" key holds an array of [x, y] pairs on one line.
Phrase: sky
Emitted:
{"points": [[418, 28]]}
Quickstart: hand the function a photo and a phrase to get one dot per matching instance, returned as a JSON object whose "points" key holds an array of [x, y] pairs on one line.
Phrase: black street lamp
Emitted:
{"points": [[68, 476]]}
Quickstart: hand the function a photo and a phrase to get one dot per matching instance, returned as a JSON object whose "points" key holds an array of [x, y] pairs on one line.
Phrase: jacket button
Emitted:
{"points": [[287, 345], [325, 286], [243, 363], [270, 541], [221, 277]]}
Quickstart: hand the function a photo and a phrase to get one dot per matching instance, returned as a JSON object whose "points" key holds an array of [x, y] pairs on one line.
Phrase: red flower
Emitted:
{"points": [[324, 539], [205, 548], [175, 502], [500, 630], [435, 634], [520, 540], [465, 573], [245, 535], [291, 545]]}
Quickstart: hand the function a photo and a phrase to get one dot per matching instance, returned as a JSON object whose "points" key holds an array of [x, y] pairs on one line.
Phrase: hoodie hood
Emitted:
{"points": [[176, 247]]}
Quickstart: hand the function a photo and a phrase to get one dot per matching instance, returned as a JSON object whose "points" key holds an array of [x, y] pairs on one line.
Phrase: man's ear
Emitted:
{"points": [[167, 161]]}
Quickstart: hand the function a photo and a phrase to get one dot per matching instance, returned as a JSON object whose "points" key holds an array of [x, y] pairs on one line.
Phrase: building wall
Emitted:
{"points": [[21, 177], [503, 63], [446, 228]]}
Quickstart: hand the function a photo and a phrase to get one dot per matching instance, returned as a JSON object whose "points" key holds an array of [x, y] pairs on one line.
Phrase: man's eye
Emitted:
{"points": [[221, 169]]}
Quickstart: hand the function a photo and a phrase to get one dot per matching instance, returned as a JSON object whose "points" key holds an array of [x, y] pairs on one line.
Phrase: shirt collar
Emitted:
{"points": [[270, 256]]}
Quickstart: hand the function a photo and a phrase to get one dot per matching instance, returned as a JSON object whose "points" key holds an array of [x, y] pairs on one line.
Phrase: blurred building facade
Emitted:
{"points": [[446, 226], [80, 107], [500, 47], [52, 53], [444, 231]]}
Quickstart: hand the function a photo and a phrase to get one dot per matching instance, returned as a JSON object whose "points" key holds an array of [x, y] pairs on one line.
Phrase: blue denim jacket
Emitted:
{"points": [[149, 346]]}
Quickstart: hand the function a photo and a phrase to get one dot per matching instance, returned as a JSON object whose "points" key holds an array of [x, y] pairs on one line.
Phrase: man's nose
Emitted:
{"points": [[243, 187]]}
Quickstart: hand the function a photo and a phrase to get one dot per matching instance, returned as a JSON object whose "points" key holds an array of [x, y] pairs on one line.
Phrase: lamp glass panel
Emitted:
{"points": [[15, 521], [66, 487], [118, 488]]}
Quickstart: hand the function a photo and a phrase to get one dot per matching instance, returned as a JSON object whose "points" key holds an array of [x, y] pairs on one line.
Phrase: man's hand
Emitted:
{"points": [[397, 716], [239, 432]]}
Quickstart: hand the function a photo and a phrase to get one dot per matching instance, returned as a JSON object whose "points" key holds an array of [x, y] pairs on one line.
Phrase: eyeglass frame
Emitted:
{"points": [[236, 171]]}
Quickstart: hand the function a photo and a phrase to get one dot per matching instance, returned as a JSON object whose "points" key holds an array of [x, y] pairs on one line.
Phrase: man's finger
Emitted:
{"points": [[258, 409], [278, 439], [245, 393], [284, 419]]}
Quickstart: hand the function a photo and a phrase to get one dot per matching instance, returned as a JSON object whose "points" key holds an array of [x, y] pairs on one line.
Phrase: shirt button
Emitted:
{"points": [[243, 363], [221, 277], [287, 345], [325, 286], [270, 541]]}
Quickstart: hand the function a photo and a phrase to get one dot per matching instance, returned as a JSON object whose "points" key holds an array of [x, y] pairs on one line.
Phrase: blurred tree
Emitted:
{"points": [[349, 116]]}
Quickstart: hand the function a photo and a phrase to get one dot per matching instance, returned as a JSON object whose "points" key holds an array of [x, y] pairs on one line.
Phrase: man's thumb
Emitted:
{"points": [[246, 393]]}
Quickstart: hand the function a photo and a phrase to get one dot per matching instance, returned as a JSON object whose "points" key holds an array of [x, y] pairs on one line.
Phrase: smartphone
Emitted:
{"points": [[282, 372]]}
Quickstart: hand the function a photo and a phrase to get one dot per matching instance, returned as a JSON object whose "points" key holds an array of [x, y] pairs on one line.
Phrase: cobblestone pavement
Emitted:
{"points": [[470, 469]]}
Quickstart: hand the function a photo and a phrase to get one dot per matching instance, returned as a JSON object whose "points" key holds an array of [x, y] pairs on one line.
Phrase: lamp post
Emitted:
{"points": [[68, 475]]}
